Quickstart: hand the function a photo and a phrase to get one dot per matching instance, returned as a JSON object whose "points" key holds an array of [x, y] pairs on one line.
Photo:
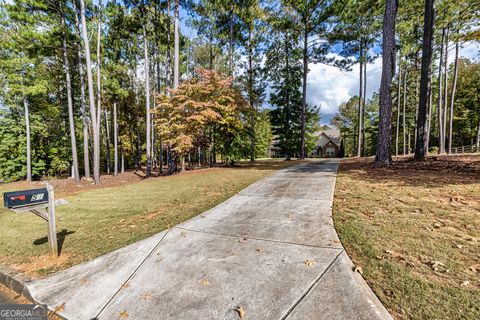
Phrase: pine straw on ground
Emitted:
{"points": [[414, 228]]}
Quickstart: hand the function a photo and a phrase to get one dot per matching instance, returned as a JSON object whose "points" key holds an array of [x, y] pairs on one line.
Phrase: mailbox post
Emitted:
{"points": [[35, 201]]}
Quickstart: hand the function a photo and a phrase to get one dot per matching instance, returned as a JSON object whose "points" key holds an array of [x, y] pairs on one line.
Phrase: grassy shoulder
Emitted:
{"points": [[414, 228], [101, 219]]}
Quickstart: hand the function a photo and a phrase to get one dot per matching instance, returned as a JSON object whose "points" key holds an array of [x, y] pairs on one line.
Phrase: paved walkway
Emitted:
{"points": [[269, 252]]}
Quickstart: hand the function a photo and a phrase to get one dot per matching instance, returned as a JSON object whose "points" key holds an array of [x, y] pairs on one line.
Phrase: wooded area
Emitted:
{"points": [[102, 87], [432, 95]]}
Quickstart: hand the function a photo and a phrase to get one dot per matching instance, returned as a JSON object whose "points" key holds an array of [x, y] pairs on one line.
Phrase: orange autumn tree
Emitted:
{"points": [[198, 108]]}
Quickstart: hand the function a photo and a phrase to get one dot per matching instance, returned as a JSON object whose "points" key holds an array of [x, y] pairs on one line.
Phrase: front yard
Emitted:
{"points": [[414, 229], [123, 210]]}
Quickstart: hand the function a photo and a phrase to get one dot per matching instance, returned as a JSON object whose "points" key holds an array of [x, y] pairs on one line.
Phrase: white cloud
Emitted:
{"points": [[329, 87]]}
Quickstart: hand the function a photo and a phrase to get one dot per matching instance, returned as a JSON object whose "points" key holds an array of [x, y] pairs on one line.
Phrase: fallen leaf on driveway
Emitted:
{"points": [[357, 269], [309, 262], [147, 296], [241, 312], [124, 314], [205, 282], [59, 308]]}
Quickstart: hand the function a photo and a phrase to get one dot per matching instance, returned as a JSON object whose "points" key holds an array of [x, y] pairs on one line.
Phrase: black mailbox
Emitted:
{"points": [[17, 199]]}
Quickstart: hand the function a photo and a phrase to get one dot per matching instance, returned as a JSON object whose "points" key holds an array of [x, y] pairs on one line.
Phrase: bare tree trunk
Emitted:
{"points": [[417, 88], [230, 40], [478, 134], [421, 148], [287, 99], [398, 107], [409, 139], [123, 161], [441, 137], [147, 101], [360, 104], [383, 155], [95, 128], [364, 97], [182, 161], [107, 139], [304, 89], [251, 94], [445, 87], [115, 139], [168, 61], [27, 129], [83, 103], [429, 118], [176, 59], [404, 118], [71, 121], [452, 98], [138, 156], [99, 78]]}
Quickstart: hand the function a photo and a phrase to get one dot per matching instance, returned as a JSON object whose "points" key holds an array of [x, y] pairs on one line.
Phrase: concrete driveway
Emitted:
{"points": [[269, 252]]}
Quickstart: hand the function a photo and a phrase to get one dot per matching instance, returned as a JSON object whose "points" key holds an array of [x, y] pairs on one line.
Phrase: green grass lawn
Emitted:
{"points": [[414, 228], [100, 220]]}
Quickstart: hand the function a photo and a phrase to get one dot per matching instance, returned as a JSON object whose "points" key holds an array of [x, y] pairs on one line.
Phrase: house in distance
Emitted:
{"points": [[328, 144]]}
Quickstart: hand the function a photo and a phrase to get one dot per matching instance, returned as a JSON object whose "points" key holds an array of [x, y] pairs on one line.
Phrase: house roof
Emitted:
{"points": [[324, 136]]}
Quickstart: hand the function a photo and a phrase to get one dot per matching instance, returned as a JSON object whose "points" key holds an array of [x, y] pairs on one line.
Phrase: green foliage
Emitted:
{"points": [[263, 134]]}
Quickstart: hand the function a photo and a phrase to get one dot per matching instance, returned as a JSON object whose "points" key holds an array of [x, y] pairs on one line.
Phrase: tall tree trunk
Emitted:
{"points": [[251, 97], [304, 89], [138, 156], [398, 107], [383, 155], [147, 101], [68, 82], [364, 96], [27, 132], [83, 103], [176, 59], [478, 134], [123, 160], [441, 137], [168, 61], [99, 77], [230, 40], [421, 148], [360, 104], [115, 139], [95, 128], [404, 118], [287, 107], [452, 98], [429, 118], [107, 139], [445, 87]]}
